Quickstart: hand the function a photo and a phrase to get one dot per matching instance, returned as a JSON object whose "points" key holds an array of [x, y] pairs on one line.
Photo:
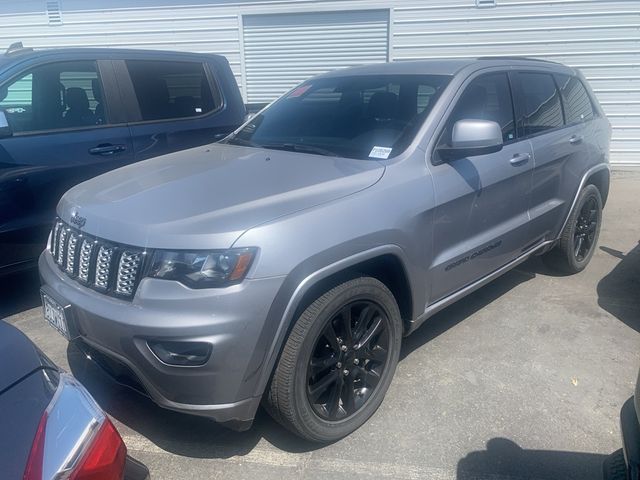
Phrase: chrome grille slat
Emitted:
{"points": [[54, 238], [128, 272], [71, 253], [103, 266], [62, 243], [84, 263], [108, 267]]}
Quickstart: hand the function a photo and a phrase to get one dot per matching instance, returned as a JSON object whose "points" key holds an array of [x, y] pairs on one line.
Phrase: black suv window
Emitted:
{"points": [[54, 96], [577, 105], [540, 104], [172, 89], [350, 116], [487, 97]]}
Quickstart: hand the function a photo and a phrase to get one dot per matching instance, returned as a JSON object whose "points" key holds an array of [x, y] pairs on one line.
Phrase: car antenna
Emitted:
{"points": [[15, 47]]}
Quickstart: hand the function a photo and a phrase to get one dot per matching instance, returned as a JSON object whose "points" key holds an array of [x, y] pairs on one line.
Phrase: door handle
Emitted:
{"points": [[575, 139], [519, 159], [107, 149]]}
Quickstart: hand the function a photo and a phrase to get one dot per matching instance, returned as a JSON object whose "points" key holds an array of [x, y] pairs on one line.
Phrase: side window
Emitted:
{"points": [[54, 96], [488, 97], [168, 90], [577, 104], [540, 104]]}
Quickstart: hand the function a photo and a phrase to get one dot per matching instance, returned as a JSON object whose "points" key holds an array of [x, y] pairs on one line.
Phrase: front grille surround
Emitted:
{"points": [[110, 268]]}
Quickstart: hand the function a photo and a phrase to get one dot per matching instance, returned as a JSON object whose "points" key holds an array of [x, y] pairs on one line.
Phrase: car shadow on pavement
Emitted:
{"points": [[504, 459], [20, 292], [619, 290], [175, 432]]}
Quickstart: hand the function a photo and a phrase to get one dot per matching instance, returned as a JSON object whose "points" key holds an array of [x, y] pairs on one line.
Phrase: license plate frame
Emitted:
{"points": [[55, 315]]}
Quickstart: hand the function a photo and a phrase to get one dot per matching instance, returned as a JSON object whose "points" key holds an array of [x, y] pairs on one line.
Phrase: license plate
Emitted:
{"points": [[54, 314]]}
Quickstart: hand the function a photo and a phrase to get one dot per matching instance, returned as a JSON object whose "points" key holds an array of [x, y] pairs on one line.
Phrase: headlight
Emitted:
{"points": [[203, 269]]}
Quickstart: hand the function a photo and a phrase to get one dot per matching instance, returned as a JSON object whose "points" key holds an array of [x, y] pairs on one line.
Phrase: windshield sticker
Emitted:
{"points": [[380, 152], [298, 92]]}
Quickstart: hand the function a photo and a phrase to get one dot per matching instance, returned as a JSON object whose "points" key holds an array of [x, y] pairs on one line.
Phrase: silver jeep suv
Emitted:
{"points": [[286, 263]]}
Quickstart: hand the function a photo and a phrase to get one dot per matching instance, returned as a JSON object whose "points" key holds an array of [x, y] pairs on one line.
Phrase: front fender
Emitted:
{"points": [[288, 299]]}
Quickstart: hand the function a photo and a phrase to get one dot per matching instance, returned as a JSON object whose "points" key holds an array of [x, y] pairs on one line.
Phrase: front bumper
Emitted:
{"points": [[231, 320]]}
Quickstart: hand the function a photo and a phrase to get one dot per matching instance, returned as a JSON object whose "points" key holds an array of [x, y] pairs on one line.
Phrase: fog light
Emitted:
{"points": [[183, 354]]}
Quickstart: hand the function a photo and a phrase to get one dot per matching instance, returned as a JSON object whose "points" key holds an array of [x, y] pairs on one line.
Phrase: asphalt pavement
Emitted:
{"points": [[523, 379]]}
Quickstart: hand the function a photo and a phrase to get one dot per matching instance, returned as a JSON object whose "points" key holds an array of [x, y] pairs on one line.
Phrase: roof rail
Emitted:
{"points": [[17, 47], [515, 57]]}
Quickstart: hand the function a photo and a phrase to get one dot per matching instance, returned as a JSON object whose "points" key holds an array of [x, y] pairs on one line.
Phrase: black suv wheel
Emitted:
{"points": [[580, 235], [338, 361]]}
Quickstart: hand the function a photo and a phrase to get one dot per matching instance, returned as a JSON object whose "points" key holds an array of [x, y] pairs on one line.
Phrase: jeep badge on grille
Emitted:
{"points": [[77, 220]]}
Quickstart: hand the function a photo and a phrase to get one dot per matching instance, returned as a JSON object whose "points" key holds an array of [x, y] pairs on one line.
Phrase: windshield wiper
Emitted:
{"points": [[297, 147], [242, 142]]}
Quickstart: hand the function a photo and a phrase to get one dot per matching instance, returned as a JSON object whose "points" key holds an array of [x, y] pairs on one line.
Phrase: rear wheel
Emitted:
{"points": [[338, 361], [580, 235]]}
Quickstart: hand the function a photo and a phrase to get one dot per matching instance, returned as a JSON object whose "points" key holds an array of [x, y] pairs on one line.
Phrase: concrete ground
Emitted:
{"points": [[522, 379]]}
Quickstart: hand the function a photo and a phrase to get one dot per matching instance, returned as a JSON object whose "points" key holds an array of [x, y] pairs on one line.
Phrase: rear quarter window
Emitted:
{"points": [[577, 104]]}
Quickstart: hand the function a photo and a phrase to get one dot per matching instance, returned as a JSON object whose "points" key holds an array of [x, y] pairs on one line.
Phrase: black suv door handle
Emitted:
{"points": [[107, 149], [519, 159], [575, 139]]}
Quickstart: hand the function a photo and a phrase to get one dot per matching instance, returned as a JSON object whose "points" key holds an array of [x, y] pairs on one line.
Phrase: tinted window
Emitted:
{"points": [[541, 109], [54, 96], [347, 116], [577, 105], [172, 89], [487, 97]]}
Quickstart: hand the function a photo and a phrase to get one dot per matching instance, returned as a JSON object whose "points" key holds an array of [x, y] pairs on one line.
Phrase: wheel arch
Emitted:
{"points": [[597, 175], [600, 179], [387, 263]]}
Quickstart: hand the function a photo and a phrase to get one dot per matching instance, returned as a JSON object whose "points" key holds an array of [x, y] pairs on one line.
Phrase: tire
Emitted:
{"points": [[614, 466], [311, 358], [563, 257]]}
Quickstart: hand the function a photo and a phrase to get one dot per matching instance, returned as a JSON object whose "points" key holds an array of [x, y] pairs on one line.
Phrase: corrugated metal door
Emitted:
{"points": [[281, 51]]}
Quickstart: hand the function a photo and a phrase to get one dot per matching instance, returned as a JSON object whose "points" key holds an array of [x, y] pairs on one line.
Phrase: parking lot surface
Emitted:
{"points": [[522, 379]]}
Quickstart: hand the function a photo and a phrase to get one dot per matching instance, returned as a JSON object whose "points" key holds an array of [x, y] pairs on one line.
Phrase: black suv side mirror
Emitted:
{"points": [[5, 128], [472, 137]]}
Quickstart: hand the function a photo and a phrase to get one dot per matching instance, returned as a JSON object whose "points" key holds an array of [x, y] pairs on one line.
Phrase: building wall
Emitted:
{"points": [[601, 37]]}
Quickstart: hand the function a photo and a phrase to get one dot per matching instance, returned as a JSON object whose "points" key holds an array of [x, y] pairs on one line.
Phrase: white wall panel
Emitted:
{"points": [[600, 37]]}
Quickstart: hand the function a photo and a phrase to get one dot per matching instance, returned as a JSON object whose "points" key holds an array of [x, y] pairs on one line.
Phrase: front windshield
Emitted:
{"points": [[364, 117]]}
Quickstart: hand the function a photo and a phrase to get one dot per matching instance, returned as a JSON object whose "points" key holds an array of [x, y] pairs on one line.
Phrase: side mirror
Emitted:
{"points": [[5, 128], [473, 137]]}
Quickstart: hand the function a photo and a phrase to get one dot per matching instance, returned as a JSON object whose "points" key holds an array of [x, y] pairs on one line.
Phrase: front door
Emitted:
{"points": [[481, 214], [62, 135]]}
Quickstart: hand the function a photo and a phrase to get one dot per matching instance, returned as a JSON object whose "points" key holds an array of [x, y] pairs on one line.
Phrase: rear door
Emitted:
{"points": [[67, 128], [481, 217], [559, 147], [173, 105]]}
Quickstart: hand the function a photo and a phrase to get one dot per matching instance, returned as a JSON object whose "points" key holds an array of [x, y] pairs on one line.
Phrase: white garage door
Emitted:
{"points": [[281, 51]]}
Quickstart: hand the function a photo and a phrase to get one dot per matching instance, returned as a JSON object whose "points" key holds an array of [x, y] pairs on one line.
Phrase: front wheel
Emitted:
{"points": [[338, 361], [580, 235]]}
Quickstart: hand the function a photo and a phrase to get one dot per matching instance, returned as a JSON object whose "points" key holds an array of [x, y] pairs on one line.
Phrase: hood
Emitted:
{"points": [[18, 356], [206, 197]]}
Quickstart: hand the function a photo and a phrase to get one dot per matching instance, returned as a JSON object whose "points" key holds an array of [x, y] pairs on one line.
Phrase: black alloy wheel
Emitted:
{"points": [[579, 237], [338, 361], [585, 229], [348, 360]]}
